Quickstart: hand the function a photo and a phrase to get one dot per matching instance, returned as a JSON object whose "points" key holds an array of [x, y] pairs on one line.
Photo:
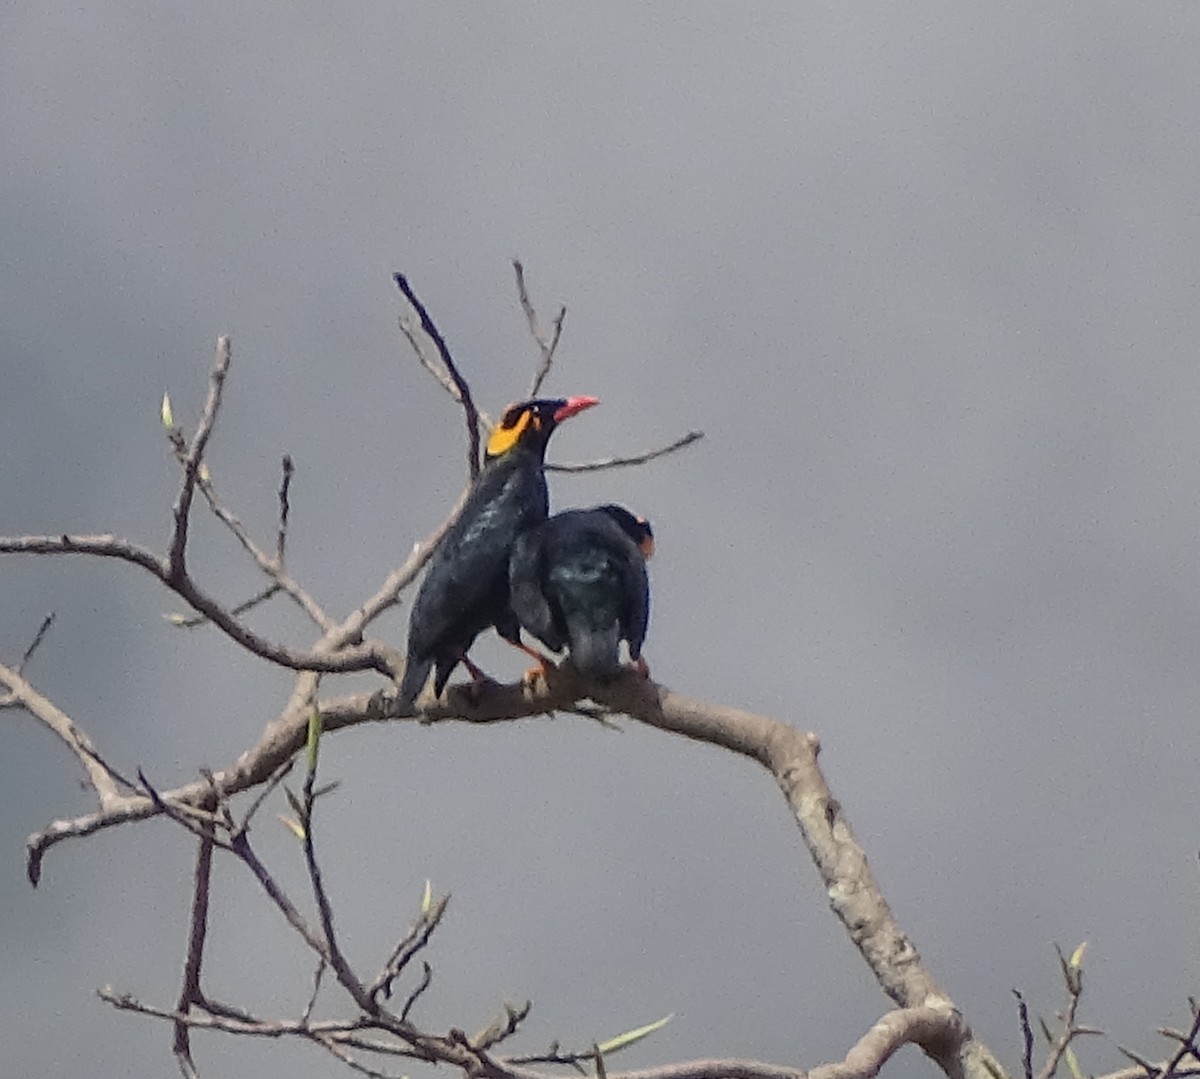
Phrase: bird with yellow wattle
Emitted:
{"points": [[465, 589]]}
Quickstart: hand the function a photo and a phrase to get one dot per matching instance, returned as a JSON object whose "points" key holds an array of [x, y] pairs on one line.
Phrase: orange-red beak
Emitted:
{"points": [[574, 406]]}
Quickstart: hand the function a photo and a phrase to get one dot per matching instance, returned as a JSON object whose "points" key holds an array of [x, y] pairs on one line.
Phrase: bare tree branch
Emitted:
{"points": [[1026, 1036], [182, 621], [306, 1015], [1073, 976], [460, 383], [1185, 1061], [277, 744], [374, 656], [1150, 1070], [190, 993], [931, 1026], [625, 462], [192, 459], [1187, 1046], [790, 755], [333, 952], [502, 1028], [925, 1016], [285, 506], [938, 1028], [104, 781], [271, 566], [418, 989], [38, 637], [546, 345], [404, 952], [427, 358]]}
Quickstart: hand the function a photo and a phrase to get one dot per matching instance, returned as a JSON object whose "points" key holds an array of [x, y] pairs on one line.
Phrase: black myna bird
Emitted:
{"points": [[466, 587], [578, 581]]}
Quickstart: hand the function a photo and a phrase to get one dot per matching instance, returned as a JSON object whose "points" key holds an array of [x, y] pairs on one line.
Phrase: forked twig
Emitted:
{"points": [[190, 992], [546, 345]]}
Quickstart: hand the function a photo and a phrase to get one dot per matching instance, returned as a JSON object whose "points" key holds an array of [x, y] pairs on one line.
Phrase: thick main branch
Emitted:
{"points": [[789, 754]]}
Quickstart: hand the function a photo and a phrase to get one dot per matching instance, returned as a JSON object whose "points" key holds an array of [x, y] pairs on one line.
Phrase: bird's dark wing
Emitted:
{"points": [[526, 588], [635, 588], [466, 586], [587, 557]]}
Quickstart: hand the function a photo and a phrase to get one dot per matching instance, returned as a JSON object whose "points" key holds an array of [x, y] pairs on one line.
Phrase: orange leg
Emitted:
{"points": [[544, 664], [476, 672]]}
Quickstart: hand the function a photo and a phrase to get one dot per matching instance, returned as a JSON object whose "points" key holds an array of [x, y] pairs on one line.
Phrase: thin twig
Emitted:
{"points": [[195, 621], [464, 390], [418, 989], [271, 566], [195, 454], [1147, 1068], [306, 1015], [197, 820], [415, 940], [1027, 1035], [388, 593], [277, 777], [331, 953], [190, 993], [344, 1056], [285, 508], [38, 637], [625, 462], [102, 779], [368, 656], [1187, 1046], [427, 360], [240, 844], [216, 1007], [501, 1029], [1073, 976], [546, 345], [1150, 1070]]}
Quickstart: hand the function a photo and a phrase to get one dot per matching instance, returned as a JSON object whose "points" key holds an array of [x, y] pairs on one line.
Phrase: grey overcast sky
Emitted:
{"points": [[926, 274]]}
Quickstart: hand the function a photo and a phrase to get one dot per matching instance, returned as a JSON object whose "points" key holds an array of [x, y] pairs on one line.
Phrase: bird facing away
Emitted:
{"points": [[578, 581], [466, 587]]}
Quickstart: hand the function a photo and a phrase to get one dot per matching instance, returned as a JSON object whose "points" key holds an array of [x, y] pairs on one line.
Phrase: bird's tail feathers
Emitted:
{"points": [[416, 672], [597, 653]]}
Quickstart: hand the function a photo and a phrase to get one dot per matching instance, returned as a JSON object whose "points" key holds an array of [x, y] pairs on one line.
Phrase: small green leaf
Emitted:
{"points": [[168, 417], [294, 826], [314, 739], [1076, 960], [427, 899], [176, 619], [203, 473], [1073, 1063], [630, 1037]]}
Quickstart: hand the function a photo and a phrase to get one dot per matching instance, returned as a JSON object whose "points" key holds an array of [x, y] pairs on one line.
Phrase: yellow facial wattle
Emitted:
{"points": [[507, 433]]}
